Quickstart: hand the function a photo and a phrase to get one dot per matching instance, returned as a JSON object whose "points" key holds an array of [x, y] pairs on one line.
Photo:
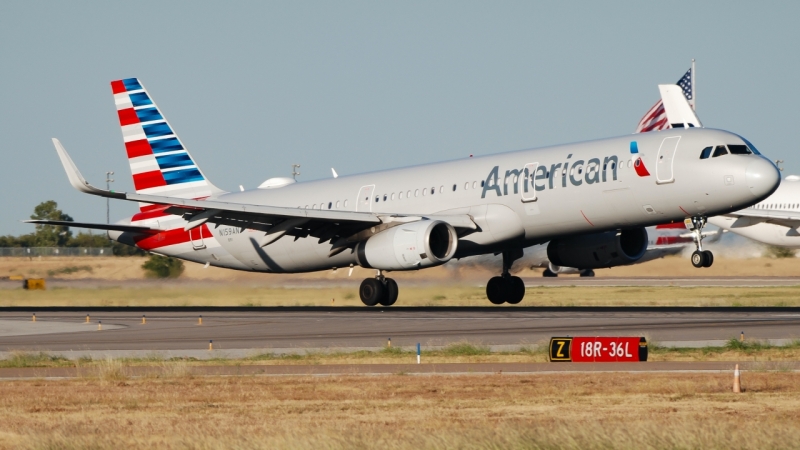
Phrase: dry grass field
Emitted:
{"points": [[231, 294], [572, 411], [121, 282], [115, 268]]}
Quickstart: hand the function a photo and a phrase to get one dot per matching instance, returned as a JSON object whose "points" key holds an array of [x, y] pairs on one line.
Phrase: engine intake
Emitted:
{"points": [[599, 250], [424, 243]]}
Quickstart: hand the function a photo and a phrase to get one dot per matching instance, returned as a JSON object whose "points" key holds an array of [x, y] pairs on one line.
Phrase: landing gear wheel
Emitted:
{"points": [[371, 291], [496, 290], [516, 290], [708, 258], [549, 273], [698, 259], [390, 292], [587, 273]]}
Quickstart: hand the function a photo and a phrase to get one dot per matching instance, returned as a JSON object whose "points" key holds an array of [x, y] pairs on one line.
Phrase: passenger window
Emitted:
{"points": [[408, 194], [337, 204], [377, 198], [314, 206], [475, 184], [719, 151], [706, 152], [466, 185], [400, 196], [433, 190], [454, 188], [739, 149], [330, 205], [345, 203], [416, 192], [483, 182], [392, 195], [424, 192], [384, 197]]}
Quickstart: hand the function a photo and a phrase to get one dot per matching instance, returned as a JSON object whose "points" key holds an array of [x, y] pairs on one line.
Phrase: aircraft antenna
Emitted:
{"points": [[295, 173]]}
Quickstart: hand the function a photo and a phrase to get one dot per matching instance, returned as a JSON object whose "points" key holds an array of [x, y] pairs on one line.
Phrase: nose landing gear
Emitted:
{"points": [[378, 290], [700, 257], [506, 288]]}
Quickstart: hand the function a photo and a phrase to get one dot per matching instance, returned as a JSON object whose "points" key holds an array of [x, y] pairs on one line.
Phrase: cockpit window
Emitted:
{"points": [[739, 149], [706, 152], [719, 151], [750, 145]]}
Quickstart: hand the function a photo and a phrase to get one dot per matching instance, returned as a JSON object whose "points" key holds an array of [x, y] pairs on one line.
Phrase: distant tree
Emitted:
{"points": [[50, 235], [83, 239], [163, 267], [775, 251]]}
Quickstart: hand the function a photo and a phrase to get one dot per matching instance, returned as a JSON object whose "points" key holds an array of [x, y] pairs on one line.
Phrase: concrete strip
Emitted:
{"points": [[28, 328]]}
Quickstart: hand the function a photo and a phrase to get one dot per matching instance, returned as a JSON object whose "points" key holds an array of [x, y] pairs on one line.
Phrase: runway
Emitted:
{"points": [[237, 330]]}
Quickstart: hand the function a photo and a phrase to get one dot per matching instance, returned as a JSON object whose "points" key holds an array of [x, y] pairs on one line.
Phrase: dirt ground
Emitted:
{"points": [[573, 411], [129, 268]]}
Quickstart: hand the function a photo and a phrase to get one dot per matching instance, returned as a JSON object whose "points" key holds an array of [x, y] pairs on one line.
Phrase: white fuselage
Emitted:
{"points": [[573, 189]]}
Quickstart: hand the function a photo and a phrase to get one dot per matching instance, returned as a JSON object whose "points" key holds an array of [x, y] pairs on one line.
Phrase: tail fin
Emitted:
{"points": [[160, 164]]}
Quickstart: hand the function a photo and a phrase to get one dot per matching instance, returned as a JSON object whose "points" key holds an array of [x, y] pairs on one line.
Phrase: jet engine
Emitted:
{"points": [[599, 250], [414, 245]]}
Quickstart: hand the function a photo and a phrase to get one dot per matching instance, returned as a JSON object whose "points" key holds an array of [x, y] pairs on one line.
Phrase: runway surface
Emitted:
{"points": [[176, 330]]}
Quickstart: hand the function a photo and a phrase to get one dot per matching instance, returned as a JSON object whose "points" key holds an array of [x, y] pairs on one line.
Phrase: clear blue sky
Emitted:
{"points": [[252, 87]]}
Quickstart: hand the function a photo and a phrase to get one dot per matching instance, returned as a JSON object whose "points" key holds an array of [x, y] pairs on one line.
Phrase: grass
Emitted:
{"points": [[235, 295], [570, 411], [455, 353]]}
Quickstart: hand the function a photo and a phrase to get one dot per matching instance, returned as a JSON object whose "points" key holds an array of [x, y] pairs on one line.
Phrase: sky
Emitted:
{"points": [[254, 87]]}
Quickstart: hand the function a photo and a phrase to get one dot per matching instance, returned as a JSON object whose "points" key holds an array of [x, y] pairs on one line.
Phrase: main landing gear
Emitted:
{"points": [[506, 288], [378, 290], [700, 257]]}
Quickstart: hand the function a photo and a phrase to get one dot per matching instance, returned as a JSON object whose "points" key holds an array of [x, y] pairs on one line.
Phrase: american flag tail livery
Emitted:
{"points": [[656, 117], [160, 163]]}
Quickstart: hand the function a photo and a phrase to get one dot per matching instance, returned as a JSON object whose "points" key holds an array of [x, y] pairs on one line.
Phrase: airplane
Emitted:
{"points": [[591, 200], [772, 221]]}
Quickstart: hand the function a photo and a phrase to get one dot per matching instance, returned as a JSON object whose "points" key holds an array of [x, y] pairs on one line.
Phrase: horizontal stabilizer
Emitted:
{"points": [[96, 226], [679, 113]]}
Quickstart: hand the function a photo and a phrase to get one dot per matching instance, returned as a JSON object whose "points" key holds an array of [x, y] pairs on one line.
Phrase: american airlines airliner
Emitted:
{"points": [[591, 201]]}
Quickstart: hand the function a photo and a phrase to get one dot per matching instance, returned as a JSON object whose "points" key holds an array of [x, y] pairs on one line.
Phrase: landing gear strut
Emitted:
{"points": [[506, 288], [378, 290], [700, 257]]}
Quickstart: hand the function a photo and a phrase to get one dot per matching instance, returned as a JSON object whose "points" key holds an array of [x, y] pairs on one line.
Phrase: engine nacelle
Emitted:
{"points": [[599, 250], [410, 246]]}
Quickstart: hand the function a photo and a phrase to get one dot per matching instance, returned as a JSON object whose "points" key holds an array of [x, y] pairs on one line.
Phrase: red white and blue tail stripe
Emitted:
{"points": [[159, 162]]}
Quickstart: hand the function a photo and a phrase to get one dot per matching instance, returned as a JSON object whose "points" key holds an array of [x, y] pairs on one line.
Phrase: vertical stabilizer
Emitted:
{"points": [[160, 164]]}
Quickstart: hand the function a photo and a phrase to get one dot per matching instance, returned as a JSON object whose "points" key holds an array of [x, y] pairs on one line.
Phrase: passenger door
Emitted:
{"points": [[665, 160], [527, 189], [364, 199]]}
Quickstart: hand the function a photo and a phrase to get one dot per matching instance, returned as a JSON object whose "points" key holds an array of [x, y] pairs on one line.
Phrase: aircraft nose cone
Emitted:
{"points": [[762, 177]]}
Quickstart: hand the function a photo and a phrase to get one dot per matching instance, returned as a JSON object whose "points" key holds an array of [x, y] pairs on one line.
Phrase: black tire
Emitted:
{"points": [[390, 292], [371, 291], [698, 258], [587, 273], [549, 273], [708, 258], [516, 290], [496, 290]]}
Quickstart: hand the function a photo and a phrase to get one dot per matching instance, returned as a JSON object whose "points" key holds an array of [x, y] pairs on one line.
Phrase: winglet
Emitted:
{"points": [[75, 178], [679, 113]]}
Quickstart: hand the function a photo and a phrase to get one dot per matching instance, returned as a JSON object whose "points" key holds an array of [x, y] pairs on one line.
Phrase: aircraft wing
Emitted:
{"points": [[749, 216], [96, 226], [274, 220]]}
